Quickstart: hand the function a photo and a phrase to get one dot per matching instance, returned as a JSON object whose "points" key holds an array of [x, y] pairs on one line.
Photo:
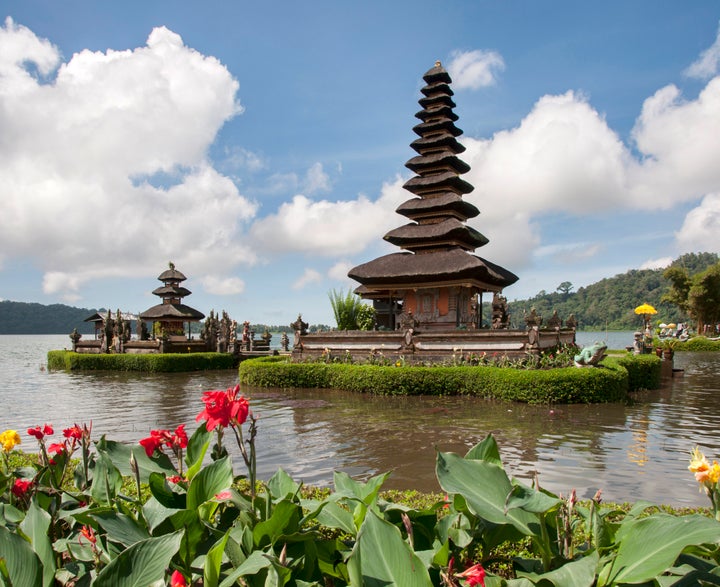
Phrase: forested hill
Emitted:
{"points": [[31, 318], [610, 303]]}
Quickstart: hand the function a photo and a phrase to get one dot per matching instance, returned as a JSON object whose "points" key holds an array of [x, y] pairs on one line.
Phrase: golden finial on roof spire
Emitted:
{"points": [[437, 63]]}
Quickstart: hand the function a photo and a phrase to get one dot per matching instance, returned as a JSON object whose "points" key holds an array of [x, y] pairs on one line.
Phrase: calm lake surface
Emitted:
{"points": [[631, 452]]}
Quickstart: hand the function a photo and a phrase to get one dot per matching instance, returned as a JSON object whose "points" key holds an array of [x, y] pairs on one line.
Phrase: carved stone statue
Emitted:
{"points": [[284, 341], [554, 321], [533, 318], [571, 322], [300, 329], [75, 336], [500, 316]]}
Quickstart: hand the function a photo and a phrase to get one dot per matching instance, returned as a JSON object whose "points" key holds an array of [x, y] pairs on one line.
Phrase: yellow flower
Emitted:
{"points": [[9, 439], [714, 473], [698, 462]]}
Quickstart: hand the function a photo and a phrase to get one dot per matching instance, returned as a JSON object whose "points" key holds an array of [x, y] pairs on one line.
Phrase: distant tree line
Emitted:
{"points": [[32, 318]]}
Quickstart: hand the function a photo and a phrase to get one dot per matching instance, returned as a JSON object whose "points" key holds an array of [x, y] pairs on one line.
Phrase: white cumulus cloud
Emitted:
{"points": [[309, 276], [474, 69], [223, 286], [701, 229], [706, 65], [107, 153]]}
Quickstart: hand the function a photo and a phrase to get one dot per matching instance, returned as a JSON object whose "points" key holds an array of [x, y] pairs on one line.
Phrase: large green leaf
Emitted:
{"points": [[285, 519], [254, 564], [213, 560], [649, 546], [281, 485], [530, 500], [121, 528], [331, 515], [107, 479], [142, 564], [382, 557], [210, 481], [196, 449], [120, 452], [35, 526], [485, 487], [21, 562], [485, 450], [577, 573]]}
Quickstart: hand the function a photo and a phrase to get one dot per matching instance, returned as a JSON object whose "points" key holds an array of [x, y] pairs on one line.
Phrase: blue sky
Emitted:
{"points": [[260, 146]]}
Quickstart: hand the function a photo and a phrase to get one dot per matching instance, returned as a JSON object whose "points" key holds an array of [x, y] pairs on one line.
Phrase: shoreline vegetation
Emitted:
{"points": [[159, 512]]}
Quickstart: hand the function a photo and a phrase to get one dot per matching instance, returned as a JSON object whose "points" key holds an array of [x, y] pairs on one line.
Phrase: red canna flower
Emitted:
{"points": [[152, 442], [475, 575], [223, 408], [21, 486], [177, 580], [89, 534], [56, 447], [41, 432], [180, 438], [73, 432]]}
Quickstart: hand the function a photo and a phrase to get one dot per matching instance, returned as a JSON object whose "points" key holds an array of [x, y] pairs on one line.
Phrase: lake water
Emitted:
{"points": [[631, 452]]}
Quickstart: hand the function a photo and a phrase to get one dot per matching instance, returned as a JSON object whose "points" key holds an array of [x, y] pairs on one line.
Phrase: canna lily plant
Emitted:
{"points": [[70, 520]]}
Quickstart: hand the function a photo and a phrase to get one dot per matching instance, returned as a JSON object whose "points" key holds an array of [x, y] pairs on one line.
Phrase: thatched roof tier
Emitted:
{"points": [[434, 101], [174, 312], [176, 291], [399, 271], [438, 109], [447, 233], [441, 182], [443, 160], [172, 274], [435, 126], [444, 141], [446, 204]]}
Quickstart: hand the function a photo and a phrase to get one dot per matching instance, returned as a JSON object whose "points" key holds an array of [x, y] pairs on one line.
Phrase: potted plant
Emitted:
{"points": [[669, 345]]}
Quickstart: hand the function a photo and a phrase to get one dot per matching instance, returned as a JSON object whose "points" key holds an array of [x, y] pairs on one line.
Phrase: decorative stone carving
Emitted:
{"points": [[300, 329], [533, 318], [500, 316], [591, 355], [554, 321]]}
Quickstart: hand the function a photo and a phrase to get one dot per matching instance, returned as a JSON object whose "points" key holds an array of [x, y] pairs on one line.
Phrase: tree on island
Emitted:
{"points": [[564, 288], [698, 295]]}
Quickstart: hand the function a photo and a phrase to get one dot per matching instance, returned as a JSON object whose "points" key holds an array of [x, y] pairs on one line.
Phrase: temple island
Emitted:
{"points": [[170, 328], [428, 297]]}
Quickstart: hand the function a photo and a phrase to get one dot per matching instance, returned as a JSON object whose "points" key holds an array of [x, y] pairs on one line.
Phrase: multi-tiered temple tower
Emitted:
{"points": [[172, 314], [436, 280]]}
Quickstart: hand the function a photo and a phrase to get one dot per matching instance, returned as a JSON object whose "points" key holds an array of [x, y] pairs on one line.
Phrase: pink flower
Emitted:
{"points": [[178, 580], [475, 575], [223, 495]]}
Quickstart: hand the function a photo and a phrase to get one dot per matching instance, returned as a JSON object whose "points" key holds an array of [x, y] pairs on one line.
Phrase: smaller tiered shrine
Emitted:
{"points": [[170, 316]]}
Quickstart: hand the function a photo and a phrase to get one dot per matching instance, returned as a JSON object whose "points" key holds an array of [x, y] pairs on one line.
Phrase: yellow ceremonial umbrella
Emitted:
{"points": [[646, 310]]}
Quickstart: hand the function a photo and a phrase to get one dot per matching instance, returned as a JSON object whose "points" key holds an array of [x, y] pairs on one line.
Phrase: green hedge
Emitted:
{"points": [[644, 371], [608, 383], [699, 344], [151, 363]]}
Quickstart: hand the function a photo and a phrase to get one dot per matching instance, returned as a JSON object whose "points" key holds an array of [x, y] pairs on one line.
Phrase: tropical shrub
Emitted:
{"points": [[66, 521], [150, 363]]}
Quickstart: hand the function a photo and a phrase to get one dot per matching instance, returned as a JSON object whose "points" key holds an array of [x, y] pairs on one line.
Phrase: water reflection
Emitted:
{"points": [[637, 451]]}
